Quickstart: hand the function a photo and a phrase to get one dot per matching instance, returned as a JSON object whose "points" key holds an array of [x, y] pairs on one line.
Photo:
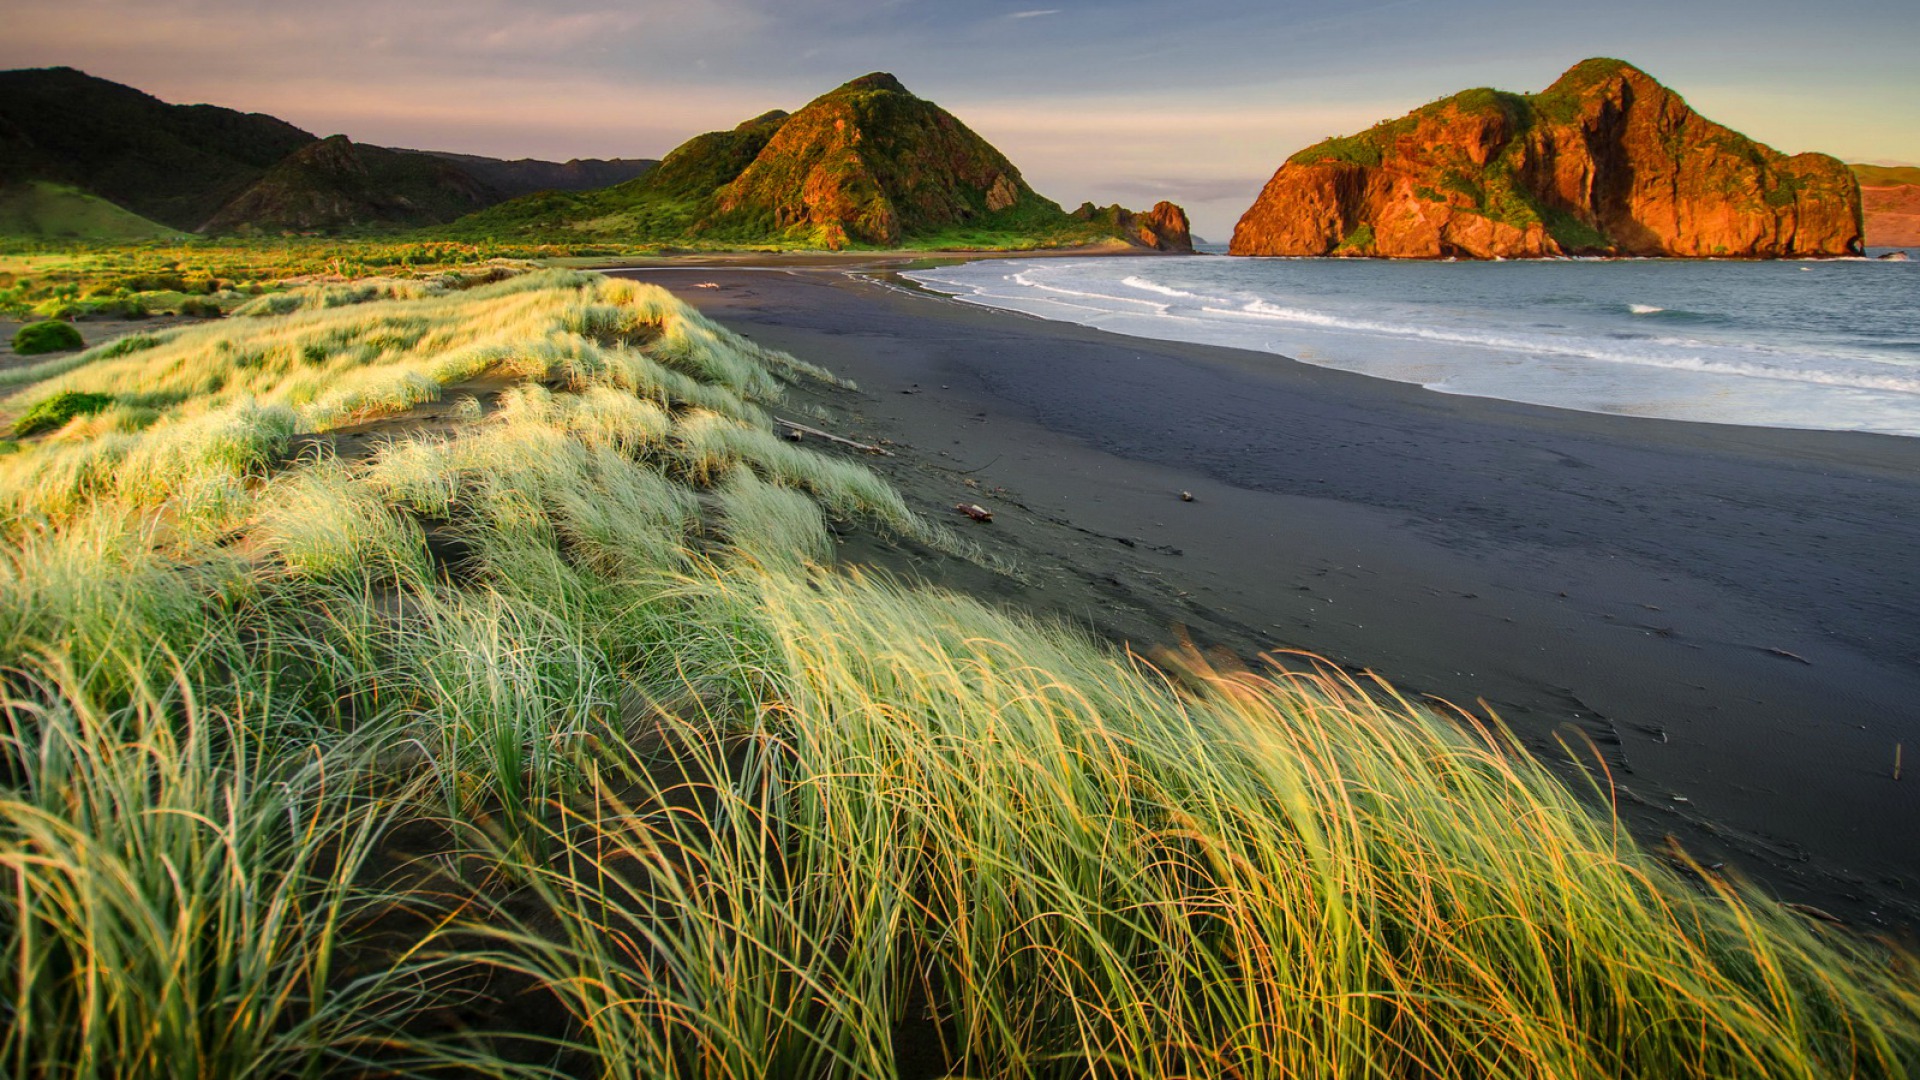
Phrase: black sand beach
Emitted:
{"points": [[1730, 615]]}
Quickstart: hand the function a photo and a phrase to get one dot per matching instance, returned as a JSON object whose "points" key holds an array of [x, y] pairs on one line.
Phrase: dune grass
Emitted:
{"points": [[540, 737]]}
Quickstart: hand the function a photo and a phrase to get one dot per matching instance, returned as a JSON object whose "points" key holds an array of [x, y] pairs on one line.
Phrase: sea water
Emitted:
{"points": [[1829, 344]]}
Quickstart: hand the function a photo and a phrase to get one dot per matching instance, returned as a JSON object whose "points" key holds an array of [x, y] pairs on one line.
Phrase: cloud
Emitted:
{"points": [[1033, 14]]}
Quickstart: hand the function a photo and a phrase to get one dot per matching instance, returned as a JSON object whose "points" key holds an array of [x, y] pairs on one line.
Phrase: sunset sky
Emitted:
{"points": [[1131, 101]]}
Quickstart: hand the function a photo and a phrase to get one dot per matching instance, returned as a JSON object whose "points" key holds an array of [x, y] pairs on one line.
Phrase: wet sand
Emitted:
{"points": [[1730, 616]]}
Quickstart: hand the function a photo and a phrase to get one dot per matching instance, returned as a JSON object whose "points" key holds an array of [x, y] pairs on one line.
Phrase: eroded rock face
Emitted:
{"points": [[1606, 162], [1164, 227]]}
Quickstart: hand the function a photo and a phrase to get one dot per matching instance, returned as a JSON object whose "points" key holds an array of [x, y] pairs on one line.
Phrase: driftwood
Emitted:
{"points": [[832, 438], [1812, 912], [974, 511]]}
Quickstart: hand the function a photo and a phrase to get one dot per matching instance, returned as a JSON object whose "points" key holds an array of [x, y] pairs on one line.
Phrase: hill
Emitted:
{"points": [[866, 164], [206, 168], [43, 209], [1890, 200], [175, 164], [1605, 161], [336, 185]]}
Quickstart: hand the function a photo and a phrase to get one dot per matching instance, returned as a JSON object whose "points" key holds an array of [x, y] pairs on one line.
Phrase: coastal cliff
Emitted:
{"points": [[1606, 161]]}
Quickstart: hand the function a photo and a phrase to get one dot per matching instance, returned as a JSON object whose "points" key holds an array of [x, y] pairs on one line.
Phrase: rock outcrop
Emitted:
{"points": [[1163, 228], [1890, 198], [1606, 161]]}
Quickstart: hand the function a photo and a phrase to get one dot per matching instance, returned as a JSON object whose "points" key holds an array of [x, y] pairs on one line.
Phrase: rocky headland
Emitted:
{"points": [[1606, 161]]}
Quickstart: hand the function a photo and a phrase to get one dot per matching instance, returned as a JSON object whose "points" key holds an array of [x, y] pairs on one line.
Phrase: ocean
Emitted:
{"points": [[1829, 344]]}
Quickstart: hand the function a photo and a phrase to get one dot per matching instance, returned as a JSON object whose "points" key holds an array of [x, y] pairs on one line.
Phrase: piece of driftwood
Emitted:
{"points": [[974, 511], [832, 438], [1812, 912]]}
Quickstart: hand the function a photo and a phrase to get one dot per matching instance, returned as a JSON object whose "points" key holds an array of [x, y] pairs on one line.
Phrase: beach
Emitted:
{"points": [[1726, 618]]}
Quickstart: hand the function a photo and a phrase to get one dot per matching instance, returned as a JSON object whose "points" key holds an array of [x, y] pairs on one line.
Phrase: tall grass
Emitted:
{"points": [[1032, 857], [542, 738], [182, 890]]}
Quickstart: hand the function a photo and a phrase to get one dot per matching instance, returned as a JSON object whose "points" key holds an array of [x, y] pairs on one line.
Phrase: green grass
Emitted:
{"points": [[542, 738]]}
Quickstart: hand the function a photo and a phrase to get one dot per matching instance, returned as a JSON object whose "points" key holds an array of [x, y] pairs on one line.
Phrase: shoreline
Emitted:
{"points": [[1718, 612]]}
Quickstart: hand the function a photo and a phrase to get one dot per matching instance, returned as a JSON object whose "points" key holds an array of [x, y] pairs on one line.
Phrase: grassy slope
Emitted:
{"points": [[41, 209], [542, 718]]}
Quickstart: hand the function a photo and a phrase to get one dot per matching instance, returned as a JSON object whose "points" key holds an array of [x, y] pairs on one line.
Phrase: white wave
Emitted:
{"points": [[1645, 309], [1677, 354], [1025, 278], [1144, 285]]}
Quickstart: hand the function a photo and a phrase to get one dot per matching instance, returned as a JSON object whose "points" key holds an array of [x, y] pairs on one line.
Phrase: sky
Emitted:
{"points": [[1130, 101]]}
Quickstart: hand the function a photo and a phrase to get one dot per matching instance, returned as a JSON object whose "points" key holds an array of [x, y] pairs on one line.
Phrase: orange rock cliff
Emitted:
{"points": [[1606, 161]]}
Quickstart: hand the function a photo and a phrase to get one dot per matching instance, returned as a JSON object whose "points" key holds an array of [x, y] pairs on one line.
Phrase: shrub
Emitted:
{"points": [[53, 413], [51, 335], [200, 309]]}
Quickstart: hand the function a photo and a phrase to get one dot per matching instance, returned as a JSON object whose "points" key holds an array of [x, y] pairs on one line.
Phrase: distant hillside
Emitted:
{"points": [[524, 176], [175, 164], [866, 164], [205, 168], [1890, 198], [335, 185], [46, 210], [1605, 161]]}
